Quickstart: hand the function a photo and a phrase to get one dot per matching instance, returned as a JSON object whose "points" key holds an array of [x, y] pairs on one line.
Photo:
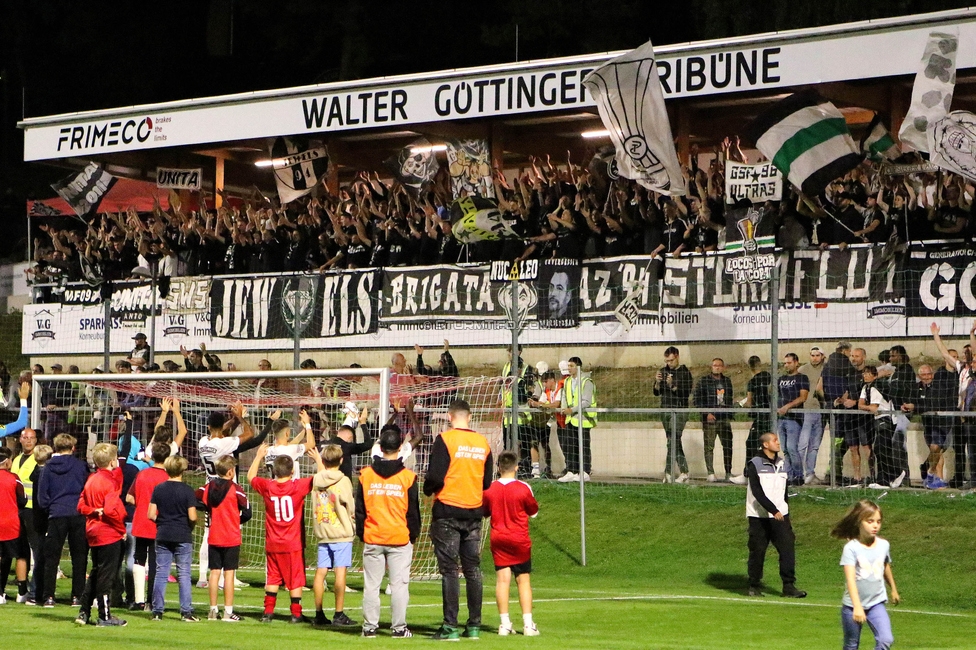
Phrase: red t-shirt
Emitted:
{"points": [[11, 491], [510, 503], [142, 490], [225, 518], [284, 504], [103, 491]]}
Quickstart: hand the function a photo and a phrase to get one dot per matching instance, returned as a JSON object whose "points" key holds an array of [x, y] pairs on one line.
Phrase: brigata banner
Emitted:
{"points": [[758, 183]]}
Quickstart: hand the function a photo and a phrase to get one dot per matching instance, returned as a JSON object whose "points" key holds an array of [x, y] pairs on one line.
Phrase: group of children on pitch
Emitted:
{"points": [[386, 519]]}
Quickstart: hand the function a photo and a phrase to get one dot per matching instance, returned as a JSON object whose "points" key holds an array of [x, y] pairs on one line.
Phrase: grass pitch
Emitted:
{"points": [[666, 568]]}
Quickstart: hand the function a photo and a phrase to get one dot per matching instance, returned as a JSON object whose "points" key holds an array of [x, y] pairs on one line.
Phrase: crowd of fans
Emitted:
{"points": [[564, 210]]}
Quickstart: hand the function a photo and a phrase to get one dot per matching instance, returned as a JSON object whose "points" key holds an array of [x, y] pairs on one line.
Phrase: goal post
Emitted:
{"points": [[88, 407]]}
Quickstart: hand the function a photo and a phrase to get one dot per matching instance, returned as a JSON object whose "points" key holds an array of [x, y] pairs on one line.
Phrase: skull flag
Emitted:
{"points": [[414, 166], [631, 104], [952, 143]]}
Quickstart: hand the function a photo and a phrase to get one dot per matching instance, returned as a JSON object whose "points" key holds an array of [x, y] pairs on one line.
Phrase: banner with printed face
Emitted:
{"points": [[558, 283], [415, 166], [757, 183], [178, 179]]}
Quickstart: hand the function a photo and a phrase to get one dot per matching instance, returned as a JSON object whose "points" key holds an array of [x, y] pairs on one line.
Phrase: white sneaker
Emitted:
{"points": [[807, 479], [61, 575], [536, 472], [682, 477], [739, 480], [388, 591], [203, 584], [3, 599], [897, 482], [530, 630], [505, 630], [711, 478], [877, 486], [350, 590], [213, 615], [568, 477], [238, 584], [21, 599], [586, 477], [667, 478]]}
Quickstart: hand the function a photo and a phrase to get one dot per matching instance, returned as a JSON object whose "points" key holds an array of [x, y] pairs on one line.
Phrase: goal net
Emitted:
{"points": [[90, 406]]}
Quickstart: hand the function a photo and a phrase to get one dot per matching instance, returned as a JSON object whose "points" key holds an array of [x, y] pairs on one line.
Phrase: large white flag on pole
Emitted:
{"points": [[932, 91], [631, 103]]}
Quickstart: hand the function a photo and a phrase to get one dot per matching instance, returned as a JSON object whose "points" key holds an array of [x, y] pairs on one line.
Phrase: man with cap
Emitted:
{"points": [[139, 356], [811, 431]]}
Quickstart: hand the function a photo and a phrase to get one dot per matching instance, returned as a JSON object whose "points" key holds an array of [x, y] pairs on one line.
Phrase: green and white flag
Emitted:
{"points": [[878, 145], [807, 139]]}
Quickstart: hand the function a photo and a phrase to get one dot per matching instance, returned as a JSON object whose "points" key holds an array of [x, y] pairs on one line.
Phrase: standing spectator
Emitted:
{"points": [[446, 367], [388, 523], [56, 399], [715, 390], [888, 460], [793, 391], [757, 397], [837, 380], [768, 512], [12, 500], [193, 360], [673, 383], [549, 402], [59, 491], [173, 508], [811, 433], [674, 231], [933, 396], [139, 357], [947, 378], [24, 465], [579, 393], [859, 435], [964, 441], [457, 482], [902, 389]]}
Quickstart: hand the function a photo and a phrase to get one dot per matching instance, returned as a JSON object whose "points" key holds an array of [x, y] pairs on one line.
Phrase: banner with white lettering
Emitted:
{"points": [[558, 283], [758, 183], [178, 179], [448, 293], [941, 282], [84, 191], [314, 306], [299, 164]]}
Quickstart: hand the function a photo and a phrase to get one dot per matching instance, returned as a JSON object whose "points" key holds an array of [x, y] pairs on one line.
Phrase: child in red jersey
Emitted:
{"points": [[510, 503], [284, 503], [228, 508], [101, 505], [143, 528], [13, 499]]}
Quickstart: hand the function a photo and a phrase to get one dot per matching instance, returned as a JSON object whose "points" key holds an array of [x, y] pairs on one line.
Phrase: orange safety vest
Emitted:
{"points": [[464, 481], [387, 501]]}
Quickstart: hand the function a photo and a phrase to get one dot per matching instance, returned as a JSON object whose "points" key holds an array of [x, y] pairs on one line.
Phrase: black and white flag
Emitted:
{"points": [[298, 166], [414, 166], [85, 191], [178, 179], [932, 90], [631, 103]]}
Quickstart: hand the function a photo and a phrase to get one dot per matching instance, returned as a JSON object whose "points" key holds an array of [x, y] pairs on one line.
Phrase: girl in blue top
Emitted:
{"points": [[867, 566]]}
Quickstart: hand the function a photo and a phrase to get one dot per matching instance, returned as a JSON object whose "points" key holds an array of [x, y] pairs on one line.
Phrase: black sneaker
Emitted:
{"points": [[401, 633], [75, 601], [341, 620], [189, 618], [369, 632], [756, 592], [446, 633], [790, 591], [112, 621], [297, 620], [137, 607], [321, 620], [49, 603], [267, 618], [83, 618]]}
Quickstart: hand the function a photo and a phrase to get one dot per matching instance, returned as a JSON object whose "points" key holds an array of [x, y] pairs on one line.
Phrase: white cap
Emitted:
{"points": [[542, 367], [564, 367]]}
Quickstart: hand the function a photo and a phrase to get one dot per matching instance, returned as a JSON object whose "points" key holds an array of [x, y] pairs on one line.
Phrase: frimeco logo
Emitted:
{"points": [[105, 134]]}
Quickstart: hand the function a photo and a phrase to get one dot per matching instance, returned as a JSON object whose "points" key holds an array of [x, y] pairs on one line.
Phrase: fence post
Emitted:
{"points": [[514, 371], [674, 449], [582, 466], [774, 346], [107, 316]]}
